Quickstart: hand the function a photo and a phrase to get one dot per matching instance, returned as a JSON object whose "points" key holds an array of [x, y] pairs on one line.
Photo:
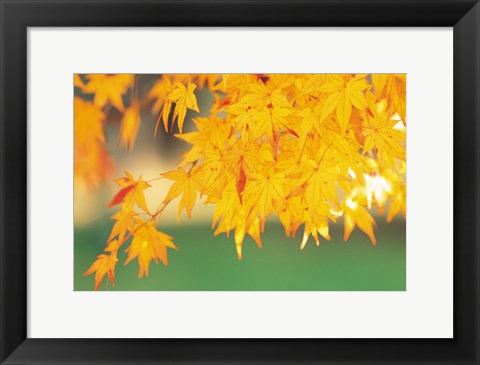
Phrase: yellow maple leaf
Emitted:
{"points": [[399, 201], [263, 190], [92, 163], [88, 123], [131, 193], [184, 98], [187, 183], [227, 206], [348, 153], [123, 224], [315, 227], [159, 92], [242, 226], [393, 87], [380, 133], [130, 126], [261, 96], [310, 121], [398, 95], [108, 88], [213, 169], [103, 265], [92, 166], [319, 180], [271, 121], [281, 81], [148, 244], [356, 215], [234, 216], [210, 80], [344, 94]]}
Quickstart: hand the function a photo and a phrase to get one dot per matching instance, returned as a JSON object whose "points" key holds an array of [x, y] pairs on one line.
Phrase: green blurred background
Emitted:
{"points": [[205, 262]]}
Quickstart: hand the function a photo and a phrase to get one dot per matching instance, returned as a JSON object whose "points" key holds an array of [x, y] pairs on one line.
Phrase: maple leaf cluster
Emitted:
{"points": [[93, 164], [306, 148]]}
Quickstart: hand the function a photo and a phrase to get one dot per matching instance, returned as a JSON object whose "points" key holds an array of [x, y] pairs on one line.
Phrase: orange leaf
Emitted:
{"points": [[130, 126], [148, 244], [131, 193], [120, 196], [104, 265]]}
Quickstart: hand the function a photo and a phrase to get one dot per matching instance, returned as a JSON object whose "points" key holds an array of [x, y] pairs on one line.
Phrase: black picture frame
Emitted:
{"points": [[17, 15]]}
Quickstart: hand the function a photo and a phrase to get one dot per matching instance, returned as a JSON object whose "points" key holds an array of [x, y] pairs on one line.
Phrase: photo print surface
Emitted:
{"points": [[239, 182]]}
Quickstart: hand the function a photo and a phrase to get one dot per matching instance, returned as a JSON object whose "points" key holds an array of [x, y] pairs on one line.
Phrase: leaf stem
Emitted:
{"points": [[153, 218]]}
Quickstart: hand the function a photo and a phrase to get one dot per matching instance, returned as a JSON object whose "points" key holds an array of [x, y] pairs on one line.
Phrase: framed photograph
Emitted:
{"points": [[239, 182]]}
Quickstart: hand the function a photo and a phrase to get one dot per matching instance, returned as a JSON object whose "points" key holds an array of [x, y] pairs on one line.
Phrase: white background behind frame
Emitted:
{"points": [[425, 310]]}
